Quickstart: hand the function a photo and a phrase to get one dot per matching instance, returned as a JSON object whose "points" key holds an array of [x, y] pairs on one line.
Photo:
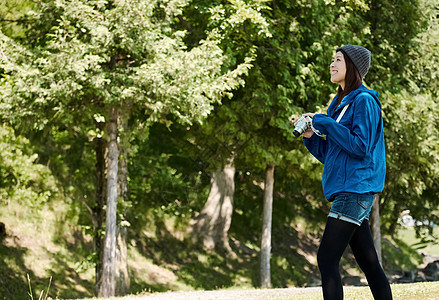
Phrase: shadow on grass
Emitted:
{"points": [[200, 269], [13, 280], [292, 259], [195, 267], [67, 266], [66, 282]]}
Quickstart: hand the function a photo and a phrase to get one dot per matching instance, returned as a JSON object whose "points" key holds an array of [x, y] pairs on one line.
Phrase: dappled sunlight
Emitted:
{"points": [[29, 249]]}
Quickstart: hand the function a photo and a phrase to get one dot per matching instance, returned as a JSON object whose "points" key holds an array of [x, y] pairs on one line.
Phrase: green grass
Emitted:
{"points": [[408, 235], [403, 251], [40, 245], [409, 291]]}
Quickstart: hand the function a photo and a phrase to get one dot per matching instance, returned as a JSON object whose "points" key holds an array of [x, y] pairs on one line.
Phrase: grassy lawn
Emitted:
{"points": [[409, 291], [409, 237]]}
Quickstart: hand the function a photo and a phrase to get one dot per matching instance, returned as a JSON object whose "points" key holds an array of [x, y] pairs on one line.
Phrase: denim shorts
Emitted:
{"points": [[354, 208]]}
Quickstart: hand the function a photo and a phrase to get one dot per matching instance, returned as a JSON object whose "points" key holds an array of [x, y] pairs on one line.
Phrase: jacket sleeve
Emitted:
{"points": [[359, 140], [317, 146]]}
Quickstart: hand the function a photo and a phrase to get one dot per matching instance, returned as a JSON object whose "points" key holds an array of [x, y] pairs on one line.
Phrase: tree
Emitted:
{"points": [[423, 68], [122, 272], [108, 285], [265, 280], [213, 222], [411, 174], [109, 59], [235, 21], [376, 227]]}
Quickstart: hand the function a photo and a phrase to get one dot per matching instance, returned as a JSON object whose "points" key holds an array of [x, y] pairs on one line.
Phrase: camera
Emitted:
{"points": [[303, 124]]}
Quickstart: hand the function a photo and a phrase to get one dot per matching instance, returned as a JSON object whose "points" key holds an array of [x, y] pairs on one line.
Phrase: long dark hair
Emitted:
{"points": [[352, 80]]}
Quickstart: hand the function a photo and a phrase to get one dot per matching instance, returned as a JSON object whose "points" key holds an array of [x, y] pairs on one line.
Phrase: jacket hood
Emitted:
{"points": [[349, 98]]}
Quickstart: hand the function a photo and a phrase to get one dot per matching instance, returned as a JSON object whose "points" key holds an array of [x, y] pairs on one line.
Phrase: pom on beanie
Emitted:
{"points": [[360, 56]]}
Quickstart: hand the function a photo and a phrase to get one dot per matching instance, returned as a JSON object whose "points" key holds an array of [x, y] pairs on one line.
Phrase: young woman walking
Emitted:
{"points": [[352, 152]]}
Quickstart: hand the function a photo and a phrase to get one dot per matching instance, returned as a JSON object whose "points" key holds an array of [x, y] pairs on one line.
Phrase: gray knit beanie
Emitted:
{"points": [[360, 56]]}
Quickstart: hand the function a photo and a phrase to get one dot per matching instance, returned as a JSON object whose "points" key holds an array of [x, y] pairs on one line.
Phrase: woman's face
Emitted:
{"points": [[338, 69]]}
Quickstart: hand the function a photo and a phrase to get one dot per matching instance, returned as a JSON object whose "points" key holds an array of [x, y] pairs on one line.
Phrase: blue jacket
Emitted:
{"points": [[353, 151]]}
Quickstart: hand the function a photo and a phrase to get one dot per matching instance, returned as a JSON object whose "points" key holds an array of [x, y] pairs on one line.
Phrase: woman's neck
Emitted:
{"points": [[342, 84]]}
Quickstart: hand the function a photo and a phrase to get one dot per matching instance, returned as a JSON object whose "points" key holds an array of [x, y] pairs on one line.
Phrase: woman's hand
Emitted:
{"points": [[309, 115], [309, 133]]}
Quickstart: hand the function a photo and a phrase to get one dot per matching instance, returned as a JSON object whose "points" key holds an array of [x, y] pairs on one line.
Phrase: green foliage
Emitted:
{"points": [[95, 55], [42, 236], [21, 179], [162, 183], [290, 76], [392, 42], [411, 123], [423, 69], [13, 17], [397, 255], [127, 52]]}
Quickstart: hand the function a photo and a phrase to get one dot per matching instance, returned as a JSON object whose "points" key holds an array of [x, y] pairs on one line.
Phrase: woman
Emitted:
{"points": [[354, 171]]}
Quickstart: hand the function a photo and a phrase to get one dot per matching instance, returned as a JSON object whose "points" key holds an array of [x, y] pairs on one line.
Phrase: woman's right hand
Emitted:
{"points": [[309, 133]]}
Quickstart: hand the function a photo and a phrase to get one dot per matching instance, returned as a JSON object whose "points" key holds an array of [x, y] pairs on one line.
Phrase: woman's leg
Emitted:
{"points": [[364, 251], [334, 241]]}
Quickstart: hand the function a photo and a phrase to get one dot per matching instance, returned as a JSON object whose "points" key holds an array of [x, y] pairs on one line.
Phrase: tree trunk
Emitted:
{"points": [[212, 224], [375, 227], [107, 288], [122, 275], [98, 209], [265, 278]]}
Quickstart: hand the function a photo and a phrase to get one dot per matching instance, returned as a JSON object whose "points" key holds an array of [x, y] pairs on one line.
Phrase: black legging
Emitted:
{"points": [[338, 234]]}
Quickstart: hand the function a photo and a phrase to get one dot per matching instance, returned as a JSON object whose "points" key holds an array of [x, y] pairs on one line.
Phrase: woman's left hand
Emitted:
{"points": [[295, 121], [309, 115]]}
